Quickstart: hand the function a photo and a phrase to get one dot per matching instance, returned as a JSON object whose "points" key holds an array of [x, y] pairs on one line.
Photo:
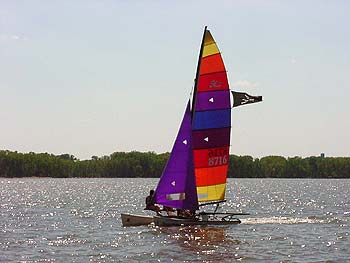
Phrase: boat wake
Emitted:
{"points": [[289, 220]]}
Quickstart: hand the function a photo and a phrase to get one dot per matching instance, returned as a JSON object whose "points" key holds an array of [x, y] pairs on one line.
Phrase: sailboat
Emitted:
{"points": [[196, 172]]}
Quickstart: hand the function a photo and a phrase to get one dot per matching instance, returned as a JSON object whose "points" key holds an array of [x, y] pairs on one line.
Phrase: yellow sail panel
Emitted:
{"points": [[211, 193], [210, 50], [208, 39]]}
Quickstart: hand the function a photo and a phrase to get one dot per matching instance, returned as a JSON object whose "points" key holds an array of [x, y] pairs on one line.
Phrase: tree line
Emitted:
{"points": [[149, 164]]}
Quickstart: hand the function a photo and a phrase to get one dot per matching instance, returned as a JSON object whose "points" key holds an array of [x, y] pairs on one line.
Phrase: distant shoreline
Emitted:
{"points": [[150, 165]]}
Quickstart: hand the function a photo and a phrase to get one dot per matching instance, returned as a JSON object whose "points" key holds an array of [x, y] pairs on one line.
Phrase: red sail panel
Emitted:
{"points": [[213, 81], [211, 176], [211, 157]]}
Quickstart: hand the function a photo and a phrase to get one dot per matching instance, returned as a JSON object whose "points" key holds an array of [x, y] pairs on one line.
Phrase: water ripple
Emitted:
{"points": [[78, 220]]}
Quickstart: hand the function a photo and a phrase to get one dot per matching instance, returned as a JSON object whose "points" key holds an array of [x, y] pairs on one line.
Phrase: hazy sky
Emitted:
{"points": [[95, 77]]}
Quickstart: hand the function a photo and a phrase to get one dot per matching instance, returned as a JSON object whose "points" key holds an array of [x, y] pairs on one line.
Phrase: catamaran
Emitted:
{"points": [[196, 172]]}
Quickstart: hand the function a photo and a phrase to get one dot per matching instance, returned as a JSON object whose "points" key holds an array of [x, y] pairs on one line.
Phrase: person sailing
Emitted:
{"points": [[150, 205]]}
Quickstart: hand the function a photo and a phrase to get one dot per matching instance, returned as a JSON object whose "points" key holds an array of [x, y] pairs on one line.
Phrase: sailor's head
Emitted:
{"points": [[151, 192]]}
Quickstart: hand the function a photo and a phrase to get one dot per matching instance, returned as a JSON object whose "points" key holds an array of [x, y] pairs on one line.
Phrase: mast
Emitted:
{"points": [[197, 74]]}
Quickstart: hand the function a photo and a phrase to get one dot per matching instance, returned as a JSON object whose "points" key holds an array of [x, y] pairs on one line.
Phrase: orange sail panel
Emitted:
{"points": [[211, 119], [211, 176], [212, 64]]}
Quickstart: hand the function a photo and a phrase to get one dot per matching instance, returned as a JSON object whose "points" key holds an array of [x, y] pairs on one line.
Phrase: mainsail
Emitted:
{"points": [[211, 124], [177, 186], [197, 167]]}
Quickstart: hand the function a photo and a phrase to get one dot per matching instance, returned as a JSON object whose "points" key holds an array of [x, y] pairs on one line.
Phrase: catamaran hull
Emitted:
{"points": [[136, 220], [172, 221]]}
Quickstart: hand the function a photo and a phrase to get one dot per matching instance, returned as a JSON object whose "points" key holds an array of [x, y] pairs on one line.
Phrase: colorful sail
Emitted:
{"points": [[211, 124], [177, 186]]}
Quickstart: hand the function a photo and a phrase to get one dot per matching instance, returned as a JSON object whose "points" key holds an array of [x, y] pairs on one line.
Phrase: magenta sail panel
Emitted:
{"points": [[177, 186], [213, 100], [211, 138]]}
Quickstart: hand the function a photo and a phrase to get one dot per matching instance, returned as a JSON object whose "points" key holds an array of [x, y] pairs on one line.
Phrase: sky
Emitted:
{"points": [[95, 77]]}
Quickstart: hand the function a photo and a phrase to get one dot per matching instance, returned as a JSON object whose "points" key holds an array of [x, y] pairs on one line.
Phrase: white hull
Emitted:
{"points": [[136, 220], [175, 221]]}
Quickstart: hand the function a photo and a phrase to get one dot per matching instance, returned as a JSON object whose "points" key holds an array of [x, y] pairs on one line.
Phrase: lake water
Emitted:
{"points": [[78, 220]]}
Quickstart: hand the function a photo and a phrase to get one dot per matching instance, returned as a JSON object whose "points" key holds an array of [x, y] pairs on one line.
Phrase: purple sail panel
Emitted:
{"points": [[213, 100], [177, 186]]}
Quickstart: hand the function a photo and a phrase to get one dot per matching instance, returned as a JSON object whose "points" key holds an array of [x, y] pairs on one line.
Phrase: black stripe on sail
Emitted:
{"points": [[241, 98]]}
